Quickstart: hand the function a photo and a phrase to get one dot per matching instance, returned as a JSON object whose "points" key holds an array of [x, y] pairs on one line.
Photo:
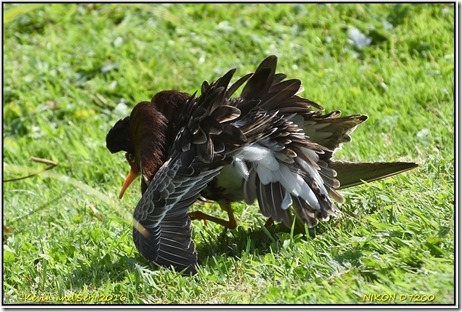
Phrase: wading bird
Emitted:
{"points": [[267, 144]]}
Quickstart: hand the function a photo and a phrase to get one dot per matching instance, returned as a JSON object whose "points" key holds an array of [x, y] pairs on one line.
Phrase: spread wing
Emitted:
{"points": [[213, 129], [165, 235]]}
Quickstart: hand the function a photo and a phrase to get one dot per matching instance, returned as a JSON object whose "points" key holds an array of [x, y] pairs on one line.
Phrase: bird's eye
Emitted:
{"points": [[130, 158]]}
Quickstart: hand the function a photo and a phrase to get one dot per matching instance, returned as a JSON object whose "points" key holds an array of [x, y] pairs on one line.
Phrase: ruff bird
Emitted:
{"points": [[268, 145]]}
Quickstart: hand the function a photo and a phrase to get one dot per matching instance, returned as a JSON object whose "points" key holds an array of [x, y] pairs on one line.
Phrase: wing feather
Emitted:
{"points": [[168, 241], [213, 129], [284, 142]]}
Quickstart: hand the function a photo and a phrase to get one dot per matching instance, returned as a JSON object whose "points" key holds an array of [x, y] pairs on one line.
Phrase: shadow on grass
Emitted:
{"points": [[100, 270], [258, 241]]}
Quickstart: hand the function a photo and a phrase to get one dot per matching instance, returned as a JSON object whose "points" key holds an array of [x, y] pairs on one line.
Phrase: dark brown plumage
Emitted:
{"points": [[268, 145]]}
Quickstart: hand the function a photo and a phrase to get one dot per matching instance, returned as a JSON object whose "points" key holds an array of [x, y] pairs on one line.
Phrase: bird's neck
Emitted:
{"points": [[148, 129], [154, 130], [169, 104]]}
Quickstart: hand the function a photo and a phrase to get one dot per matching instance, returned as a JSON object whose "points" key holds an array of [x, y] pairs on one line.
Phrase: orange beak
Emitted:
{"points": [[128, 180]]}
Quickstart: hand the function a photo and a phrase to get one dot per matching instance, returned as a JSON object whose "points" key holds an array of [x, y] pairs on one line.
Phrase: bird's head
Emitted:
{"points": [[144, 136]]}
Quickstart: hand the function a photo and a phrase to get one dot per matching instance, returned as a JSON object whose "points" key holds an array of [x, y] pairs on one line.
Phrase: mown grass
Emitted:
{"points": [[71, 71]]}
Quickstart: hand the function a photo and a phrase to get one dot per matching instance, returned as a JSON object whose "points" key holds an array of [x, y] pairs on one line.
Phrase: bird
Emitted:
{"points": [[269, 145]]}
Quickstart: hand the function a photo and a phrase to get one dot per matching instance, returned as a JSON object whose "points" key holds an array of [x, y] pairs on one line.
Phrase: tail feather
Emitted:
{"points": [[351, 174], [284, 144], [270, 199], [304, 212], [299, 150], [275, 93], [331, 130], [268, 68], [286, 167]]}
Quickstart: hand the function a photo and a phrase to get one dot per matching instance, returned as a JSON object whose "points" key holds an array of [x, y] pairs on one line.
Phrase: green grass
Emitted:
{"points": [[71, 71]]}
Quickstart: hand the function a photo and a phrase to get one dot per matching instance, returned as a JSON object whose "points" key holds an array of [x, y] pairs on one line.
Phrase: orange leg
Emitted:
{"points": [[230, 224]]}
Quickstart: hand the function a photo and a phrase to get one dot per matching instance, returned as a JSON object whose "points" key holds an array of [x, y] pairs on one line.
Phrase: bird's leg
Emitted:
{"points": [[226, 206]]}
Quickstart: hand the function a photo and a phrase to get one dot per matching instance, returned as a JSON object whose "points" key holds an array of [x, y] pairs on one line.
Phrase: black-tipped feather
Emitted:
{"points": [[283, 143], [193, 162]]}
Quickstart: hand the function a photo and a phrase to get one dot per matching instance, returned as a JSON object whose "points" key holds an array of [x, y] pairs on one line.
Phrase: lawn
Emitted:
{"points": [[72, 70]]}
